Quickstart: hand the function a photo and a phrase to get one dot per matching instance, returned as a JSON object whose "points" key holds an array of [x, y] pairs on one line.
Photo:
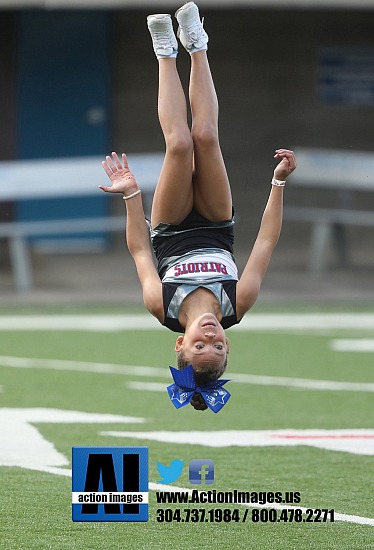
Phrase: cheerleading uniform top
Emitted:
{"points": [[210, 268]]}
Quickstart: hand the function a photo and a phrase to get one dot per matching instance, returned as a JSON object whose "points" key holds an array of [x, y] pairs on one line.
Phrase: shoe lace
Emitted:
{"points": [[195, 30], [162, 38]]}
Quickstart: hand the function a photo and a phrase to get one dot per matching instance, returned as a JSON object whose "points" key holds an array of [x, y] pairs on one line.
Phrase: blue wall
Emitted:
{"points": [[63, 96]]}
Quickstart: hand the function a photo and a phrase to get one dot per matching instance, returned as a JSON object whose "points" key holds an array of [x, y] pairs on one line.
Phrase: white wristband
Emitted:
{"points": [[126, 198], [278, 183]]}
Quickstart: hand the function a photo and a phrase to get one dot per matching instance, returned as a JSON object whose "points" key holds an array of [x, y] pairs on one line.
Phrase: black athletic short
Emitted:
{"points": [[194, 232]]}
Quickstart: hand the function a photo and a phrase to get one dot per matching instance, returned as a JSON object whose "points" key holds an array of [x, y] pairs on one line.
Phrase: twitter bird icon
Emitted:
{"points": [[170, 473]]}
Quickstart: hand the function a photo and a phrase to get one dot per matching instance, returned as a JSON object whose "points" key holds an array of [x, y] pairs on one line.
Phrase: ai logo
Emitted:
{"points": [[110, 484]]}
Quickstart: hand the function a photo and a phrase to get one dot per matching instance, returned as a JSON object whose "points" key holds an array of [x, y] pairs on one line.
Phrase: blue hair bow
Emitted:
{"points": [[184, 387]]}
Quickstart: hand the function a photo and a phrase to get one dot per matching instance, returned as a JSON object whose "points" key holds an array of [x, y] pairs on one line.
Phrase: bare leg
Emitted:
{"points": [[173, 196], [212, 193]]}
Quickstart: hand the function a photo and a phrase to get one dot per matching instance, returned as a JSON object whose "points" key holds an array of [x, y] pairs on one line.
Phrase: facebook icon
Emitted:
{"points": [[201, 471]]}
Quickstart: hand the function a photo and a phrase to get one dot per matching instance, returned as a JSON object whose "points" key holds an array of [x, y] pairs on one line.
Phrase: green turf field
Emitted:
{"points": [[94, 371]]}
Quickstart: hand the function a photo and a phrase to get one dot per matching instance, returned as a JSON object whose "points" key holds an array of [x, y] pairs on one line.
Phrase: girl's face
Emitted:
{"points": [[204, 341]]}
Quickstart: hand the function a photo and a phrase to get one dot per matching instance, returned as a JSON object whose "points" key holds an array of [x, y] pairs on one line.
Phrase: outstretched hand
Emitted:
{"points": [[287, 164], [123, 180]]}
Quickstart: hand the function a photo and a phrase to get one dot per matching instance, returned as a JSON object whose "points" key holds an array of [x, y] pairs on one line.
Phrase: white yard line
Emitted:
{"points": [[307, 321], [146, 386], [364, 345], [302, 383], [355, 441], [155, 372], [252, 322], [82, 366], [95, 322]]}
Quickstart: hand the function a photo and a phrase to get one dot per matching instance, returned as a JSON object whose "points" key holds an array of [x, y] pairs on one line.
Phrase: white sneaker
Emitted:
{"points": [[164, 42], [191, 32]]}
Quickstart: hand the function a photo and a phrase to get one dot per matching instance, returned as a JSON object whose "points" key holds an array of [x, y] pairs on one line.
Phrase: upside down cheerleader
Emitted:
{"points": [[195, 288]]}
